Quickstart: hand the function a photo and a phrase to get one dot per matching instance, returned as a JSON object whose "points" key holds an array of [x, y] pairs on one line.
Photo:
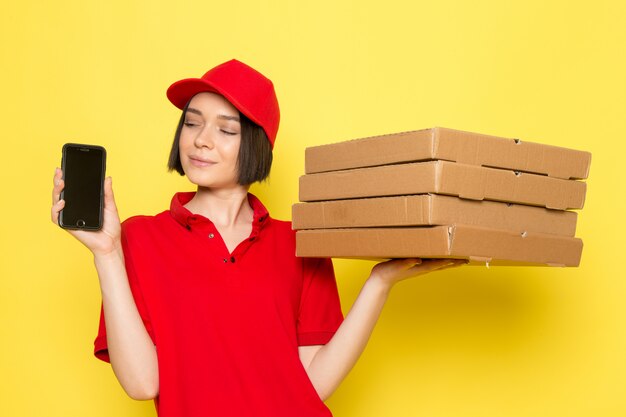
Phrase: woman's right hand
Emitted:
{"points": [[103, 241]]}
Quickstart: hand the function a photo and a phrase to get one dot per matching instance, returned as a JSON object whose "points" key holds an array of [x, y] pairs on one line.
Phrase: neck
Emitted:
{"points": [[224, 207]]}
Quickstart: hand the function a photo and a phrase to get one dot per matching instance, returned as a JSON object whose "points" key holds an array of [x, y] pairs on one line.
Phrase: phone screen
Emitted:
{"points": [[83, 172]]}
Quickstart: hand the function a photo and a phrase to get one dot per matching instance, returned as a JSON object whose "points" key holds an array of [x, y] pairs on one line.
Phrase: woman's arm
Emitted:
{"points": [[131, 351], [329, 364]]}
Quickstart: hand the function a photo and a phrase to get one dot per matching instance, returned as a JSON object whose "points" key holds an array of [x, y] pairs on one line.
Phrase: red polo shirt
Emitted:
{"points": [[227, 326]]}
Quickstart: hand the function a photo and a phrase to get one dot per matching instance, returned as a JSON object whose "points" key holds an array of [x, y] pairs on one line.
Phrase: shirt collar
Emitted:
{"points": [[186, 218]]}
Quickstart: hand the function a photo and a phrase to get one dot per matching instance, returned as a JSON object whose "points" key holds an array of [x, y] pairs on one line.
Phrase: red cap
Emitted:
{"points": [[244, 87]]}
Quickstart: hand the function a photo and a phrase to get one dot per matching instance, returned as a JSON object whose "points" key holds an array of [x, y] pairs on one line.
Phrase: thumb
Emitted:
{"points": [[109, 199]]}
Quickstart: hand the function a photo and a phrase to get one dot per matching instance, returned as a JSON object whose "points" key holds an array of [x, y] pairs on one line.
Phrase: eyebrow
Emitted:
{"points": [[219, 116], [192, 110], [227, 117]]}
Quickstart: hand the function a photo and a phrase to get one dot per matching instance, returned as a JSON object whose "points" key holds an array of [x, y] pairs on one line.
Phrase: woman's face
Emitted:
{"points": [[209, 141]]}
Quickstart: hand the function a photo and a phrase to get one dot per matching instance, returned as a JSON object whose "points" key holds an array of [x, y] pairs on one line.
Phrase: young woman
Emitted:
{"points": [[205, 307]]}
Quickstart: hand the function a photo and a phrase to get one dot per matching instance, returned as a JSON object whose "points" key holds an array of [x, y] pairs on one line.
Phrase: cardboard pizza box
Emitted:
{"points": [[450, 145], [478, 245], [442, 177], [431, 210]]}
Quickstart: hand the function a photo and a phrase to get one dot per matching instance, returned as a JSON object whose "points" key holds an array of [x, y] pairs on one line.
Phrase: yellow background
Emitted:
{"points": [[468, 342]]}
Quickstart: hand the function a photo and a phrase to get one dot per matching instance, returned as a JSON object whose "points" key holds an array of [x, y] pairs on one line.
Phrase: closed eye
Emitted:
{"points": [[227, 132]]}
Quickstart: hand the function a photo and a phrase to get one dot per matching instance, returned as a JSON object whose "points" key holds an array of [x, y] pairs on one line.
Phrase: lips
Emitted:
{"points": [[201, 162]]}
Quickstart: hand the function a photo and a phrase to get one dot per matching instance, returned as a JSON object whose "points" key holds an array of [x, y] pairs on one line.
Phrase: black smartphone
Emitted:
{"points": [[84, 167]]}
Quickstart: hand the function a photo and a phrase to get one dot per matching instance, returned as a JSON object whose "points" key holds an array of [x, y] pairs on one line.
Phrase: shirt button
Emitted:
{"points": [[211, 235], [232, 259], [225, 260]]}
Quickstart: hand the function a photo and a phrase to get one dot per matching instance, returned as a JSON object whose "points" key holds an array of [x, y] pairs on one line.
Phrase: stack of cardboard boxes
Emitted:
{"points": [[442, 193]]}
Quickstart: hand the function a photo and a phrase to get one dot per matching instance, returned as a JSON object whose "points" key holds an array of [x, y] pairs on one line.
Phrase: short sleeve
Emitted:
{"points": [[320, 309], [100, 344]]}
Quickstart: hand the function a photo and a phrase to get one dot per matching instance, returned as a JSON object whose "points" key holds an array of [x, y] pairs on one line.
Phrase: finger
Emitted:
{"points": [[452, 265], [55, 181], [408, 262], [58, 174], [401, 263], [56, 191], [433, 264], [56, 209]]}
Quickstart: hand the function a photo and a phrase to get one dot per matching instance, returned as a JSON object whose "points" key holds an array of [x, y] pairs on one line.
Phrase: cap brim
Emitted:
{"points": [[182, 91]]}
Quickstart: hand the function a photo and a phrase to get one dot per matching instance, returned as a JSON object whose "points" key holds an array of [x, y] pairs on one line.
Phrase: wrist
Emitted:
{"points": [[113, 254], [376, 283]]}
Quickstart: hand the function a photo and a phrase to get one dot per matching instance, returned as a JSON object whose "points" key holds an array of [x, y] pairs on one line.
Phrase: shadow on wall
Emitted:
{"points": [[492, 310], [471, 308], [452, 326]]}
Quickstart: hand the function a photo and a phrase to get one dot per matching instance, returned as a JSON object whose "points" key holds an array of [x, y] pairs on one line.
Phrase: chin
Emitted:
{"points": [[206, 180]]}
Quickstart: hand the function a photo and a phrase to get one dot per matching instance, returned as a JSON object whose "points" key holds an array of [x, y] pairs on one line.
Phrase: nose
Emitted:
{"points": [[204, 138]]}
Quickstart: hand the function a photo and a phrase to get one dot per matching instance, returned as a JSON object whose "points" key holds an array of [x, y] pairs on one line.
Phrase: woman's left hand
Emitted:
{"points": [[391, 272]]}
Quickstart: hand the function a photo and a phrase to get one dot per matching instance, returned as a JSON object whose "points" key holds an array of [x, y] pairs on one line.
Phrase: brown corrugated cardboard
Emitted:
{"points": [[429, 210], [442, 177], [478, 245], [451, 145]]}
